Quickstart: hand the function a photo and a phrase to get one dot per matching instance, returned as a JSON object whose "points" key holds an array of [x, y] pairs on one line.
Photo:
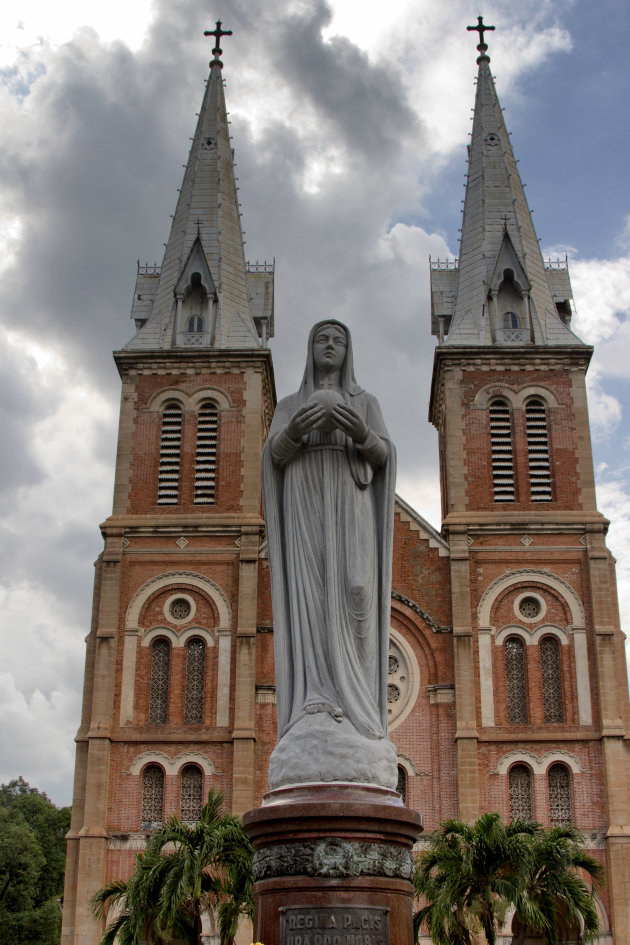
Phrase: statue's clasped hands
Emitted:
{"points": [[344, 417]]}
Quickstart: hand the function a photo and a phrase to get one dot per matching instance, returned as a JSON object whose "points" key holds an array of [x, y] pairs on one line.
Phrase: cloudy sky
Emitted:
{"points": [[350, 127]]}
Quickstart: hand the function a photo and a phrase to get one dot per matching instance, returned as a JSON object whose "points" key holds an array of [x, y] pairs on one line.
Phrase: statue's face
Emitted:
{"points": [[329, 348]]}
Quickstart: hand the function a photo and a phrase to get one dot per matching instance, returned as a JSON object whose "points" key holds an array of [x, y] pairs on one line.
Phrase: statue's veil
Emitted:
{"points": [[348, 380]]}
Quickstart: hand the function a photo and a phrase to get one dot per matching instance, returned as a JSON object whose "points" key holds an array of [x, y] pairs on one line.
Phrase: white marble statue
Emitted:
{"points": [[328, 488]]}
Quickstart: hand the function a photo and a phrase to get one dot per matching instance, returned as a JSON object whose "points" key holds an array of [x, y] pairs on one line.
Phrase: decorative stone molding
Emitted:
{"points": [[403, 678], [132, 632], [517, 398], [526, 576], [177, 639], [531, 637], [190, 401], [417, 609], [205, 584], [333, 857], [172, 766], [408, 765], [538, 763]]}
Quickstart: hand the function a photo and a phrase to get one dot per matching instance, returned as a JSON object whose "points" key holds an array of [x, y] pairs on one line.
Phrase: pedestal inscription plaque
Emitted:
{"points": [[334, 925]]}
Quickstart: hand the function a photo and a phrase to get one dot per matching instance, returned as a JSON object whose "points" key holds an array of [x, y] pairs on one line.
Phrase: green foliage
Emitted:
{"points": [[32, 859], [184, 871], [471, 874]]}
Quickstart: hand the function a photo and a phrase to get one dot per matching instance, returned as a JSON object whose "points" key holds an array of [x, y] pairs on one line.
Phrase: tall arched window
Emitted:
{"points": [[516, 680], [206, 456], [511, 320], [158, 691], [195, 677], [195, 323], [502, 456], [538, 451], [551, 679], [152, 797], [520, 793], [191, 794], [559, 781], [401, 786], [170, 455]]}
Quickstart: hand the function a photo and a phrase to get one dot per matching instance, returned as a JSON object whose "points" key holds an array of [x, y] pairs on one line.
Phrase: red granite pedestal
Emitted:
{"points": [[333, 866]]}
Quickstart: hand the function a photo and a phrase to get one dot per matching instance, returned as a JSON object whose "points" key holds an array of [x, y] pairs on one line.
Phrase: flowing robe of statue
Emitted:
{"points": [[329, 516]]}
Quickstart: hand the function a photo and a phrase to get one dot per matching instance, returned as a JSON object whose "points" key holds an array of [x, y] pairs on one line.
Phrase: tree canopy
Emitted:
{"points": [[472, 874], [185, 871], [32, 861]]}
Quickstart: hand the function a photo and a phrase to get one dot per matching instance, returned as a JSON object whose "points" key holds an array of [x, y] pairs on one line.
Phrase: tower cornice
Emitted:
{"points": [[495, 358]]}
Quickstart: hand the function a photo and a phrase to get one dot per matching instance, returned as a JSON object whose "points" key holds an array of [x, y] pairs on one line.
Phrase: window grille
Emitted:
{"points": [[559, 782], [206, 456], [152, 797], [195, 665], [551, 679], [515, 681], [158, 693], [538, 451], [170, 455], [501, 445], [401, 785], [195, 323], [529, 608], [520, 793], [191, 794]]}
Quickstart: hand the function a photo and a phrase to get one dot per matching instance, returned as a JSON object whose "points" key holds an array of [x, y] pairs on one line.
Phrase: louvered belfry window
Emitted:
{"points": [[502, 455], [559, 782], [195, 666], [520, 793], [170, 455], [191, 794], [538, 451], [551, 681], [152, 797], [206, 456], [158, 692], [515, 681]]}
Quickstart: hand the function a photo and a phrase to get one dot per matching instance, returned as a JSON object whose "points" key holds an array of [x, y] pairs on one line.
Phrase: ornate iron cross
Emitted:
{"points": [[218, 33], [480, 28]]}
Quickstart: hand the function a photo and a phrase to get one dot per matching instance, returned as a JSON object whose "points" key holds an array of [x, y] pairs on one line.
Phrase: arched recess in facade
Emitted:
{"points": [[524, 578], [133, 633]]}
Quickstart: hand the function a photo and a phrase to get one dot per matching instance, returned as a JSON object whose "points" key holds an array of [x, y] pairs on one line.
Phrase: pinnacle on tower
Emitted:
{"points": [[500, 292], [203, 295]]}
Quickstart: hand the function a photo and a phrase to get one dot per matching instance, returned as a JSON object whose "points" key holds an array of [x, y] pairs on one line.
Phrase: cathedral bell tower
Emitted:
{"points": [[169, 695], [540, 674]]}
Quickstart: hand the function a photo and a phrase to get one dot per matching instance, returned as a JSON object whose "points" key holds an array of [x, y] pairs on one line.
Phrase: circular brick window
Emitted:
{"points": [[179, 608], [529, 608], [402, 679]]}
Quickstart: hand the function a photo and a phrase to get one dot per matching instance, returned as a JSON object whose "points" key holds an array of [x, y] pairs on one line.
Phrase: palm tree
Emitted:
{"points": [[555, 892], [184, 871], [469, 876]]}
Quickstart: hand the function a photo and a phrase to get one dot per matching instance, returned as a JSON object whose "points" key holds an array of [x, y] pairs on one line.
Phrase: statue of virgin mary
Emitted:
{"points": [[328, 489]]}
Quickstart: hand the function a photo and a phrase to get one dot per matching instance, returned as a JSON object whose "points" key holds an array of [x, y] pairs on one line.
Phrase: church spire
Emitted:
{"points": [[200, 297], [501, 292]]}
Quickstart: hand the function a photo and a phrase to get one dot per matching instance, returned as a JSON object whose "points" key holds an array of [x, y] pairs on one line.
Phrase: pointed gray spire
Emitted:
{"points": [[200, 297], [500, 292]]}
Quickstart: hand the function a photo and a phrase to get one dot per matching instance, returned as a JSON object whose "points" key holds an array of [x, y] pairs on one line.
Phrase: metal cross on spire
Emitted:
{"points": [[218, 33], [480, 28]]}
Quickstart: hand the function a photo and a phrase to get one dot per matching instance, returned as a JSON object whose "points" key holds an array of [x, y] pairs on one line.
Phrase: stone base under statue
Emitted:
{"points": [[317, 749], [333, 865]]}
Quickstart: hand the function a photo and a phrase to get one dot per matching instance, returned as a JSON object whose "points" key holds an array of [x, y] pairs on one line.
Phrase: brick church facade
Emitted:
{"points": [[508, 684]]}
